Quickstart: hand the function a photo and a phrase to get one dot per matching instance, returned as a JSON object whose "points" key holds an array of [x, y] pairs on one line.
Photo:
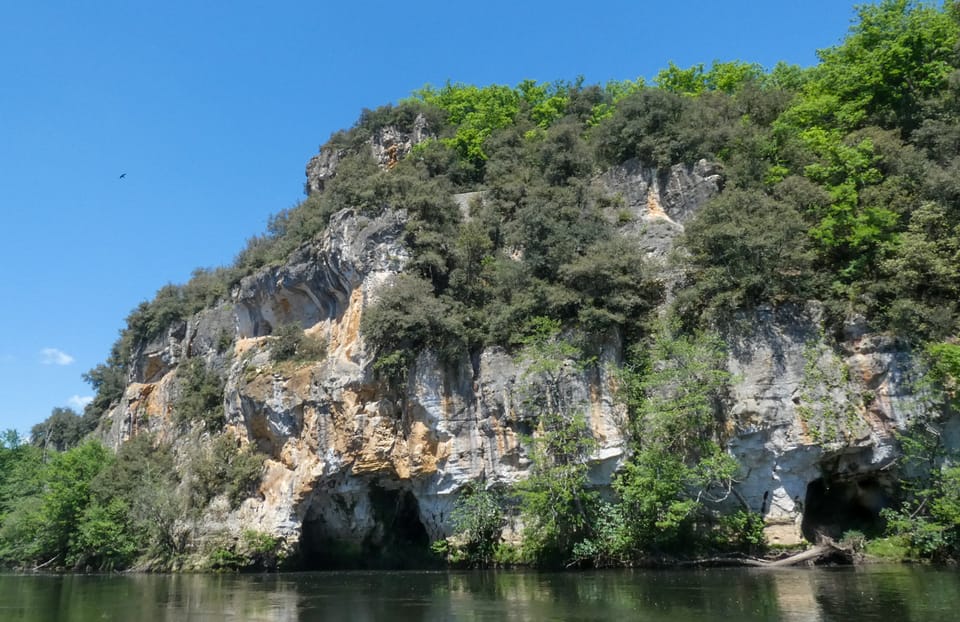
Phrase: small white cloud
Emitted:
{"points": [[52, 356], [79, 402]]}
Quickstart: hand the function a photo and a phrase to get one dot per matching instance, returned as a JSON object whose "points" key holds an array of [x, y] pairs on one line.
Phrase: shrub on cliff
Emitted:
{"points": [[745, 249], [407, 319], [477, 521], [200, 396], [928, 519], [290, 343], [223, 466]]}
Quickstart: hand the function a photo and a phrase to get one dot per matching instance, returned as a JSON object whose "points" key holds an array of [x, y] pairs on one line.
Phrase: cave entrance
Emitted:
{"points": [[322, 549], [398, 540], [832, 508], [402, 542]]}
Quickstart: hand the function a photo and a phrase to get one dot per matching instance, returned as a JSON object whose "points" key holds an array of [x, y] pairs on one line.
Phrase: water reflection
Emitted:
{"points": [[796, 594], [872, 593]]}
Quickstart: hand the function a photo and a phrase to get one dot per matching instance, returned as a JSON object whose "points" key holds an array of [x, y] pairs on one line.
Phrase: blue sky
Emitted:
{"points": [[212, 109]]}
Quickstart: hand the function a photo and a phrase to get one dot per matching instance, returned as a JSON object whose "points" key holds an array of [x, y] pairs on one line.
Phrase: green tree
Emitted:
{"points": [[223, 466], [898, 53], [475, 112], [109, 379], [43, 528], [557, 500], [745, 248], [472, 249], [406, 319], [690, 81], [21, 469], [141, 490], [732, 76], [945, 368], [104, 539], [675, 395], [544, 103], [200, 397], [477, 521], [727, 77], [922, 274], [928, 519], [614, 287], [63, 429]]}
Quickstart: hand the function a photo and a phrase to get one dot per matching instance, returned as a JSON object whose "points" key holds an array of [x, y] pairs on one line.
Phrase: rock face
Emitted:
{"points": [[348, 454], [344, 448], [659, 201], [388, 145], [806, 418]]}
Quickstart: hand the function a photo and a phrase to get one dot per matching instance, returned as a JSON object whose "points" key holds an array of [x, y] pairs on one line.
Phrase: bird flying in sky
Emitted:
{"points": [[122, 175]]}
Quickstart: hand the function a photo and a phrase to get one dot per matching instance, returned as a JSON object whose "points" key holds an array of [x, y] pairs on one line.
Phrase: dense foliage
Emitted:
{"points": [[839, 184], [90, 508]]}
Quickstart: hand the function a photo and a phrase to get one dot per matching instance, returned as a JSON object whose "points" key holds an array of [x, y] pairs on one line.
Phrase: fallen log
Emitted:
{"points": [[826, 550], [47, 563]]}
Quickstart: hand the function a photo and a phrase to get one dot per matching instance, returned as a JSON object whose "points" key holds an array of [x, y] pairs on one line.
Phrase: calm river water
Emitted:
{"points": [[888, 593]]}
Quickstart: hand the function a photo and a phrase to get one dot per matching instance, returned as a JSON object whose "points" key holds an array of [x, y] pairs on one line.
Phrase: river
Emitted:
{"points": [[888, 593]]}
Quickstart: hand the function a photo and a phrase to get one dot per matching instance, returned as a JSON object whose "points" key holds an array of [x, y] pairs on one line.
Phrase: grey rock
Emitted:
{"points": [[388, 145], [659, 201], [318, 279], [321, 168]]}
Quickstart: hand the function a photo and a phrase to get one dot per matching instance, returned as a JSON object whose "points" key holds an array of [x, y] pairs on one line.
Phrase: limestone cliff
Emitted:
{"points": [[807, 421]]}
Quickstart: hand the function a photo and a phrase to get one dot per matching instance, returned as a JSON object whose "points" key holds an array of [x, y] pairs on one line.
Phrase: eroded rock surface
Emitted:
{"points": [[659, 201], [388, 145]]}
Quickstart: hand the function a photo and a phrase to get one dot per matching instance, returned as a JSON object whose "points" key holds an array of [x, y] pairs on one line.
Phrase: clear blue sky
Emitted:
{"points": [[212, 109]]}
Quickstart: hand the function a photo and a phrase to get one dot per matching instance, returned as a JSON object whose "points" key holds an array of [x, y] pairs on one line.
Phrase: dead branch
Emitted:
{"points": [[825, 550]]}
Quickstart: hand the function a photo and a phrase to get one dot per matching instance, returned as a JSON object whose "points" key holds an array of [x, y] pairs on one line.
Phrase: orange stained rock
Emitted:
{"points": [[141, 400], [424, 449], [345, 332], [653, 205], [276, 480], [242, 346], [597, 420]]}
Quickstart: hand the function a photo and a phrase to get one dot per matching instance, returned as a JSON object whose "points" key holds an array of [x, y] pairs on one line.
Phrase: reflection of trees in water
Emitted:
{"points": [[268, 598], [796, 594], [901, 593], [665, 595], [897, 593], [149, 598]]}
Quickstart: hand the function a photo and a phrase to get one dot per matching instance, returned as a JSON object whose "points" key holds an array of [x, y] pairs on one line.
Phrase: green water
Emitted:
{"points": [[891, 594]]}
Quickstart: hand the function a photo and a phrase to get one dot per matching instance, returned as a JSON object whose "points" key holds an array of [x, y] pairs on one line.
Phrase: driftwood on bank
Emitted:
{"points": [[826, 551], [48, 562]]}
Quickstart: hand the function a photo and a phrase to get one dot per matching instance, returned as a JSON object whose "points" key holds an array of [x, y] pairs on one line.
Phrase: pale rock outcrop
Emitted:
{"points": [[388, 145], [659, 201], [316, 283], [801, 411], [321, 168]]}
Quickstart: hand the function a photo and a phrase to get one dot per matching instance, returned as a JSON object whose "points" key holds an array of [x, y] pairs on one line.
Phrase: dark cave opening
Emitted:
{"points": [[832, 508], [398, 541]]}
